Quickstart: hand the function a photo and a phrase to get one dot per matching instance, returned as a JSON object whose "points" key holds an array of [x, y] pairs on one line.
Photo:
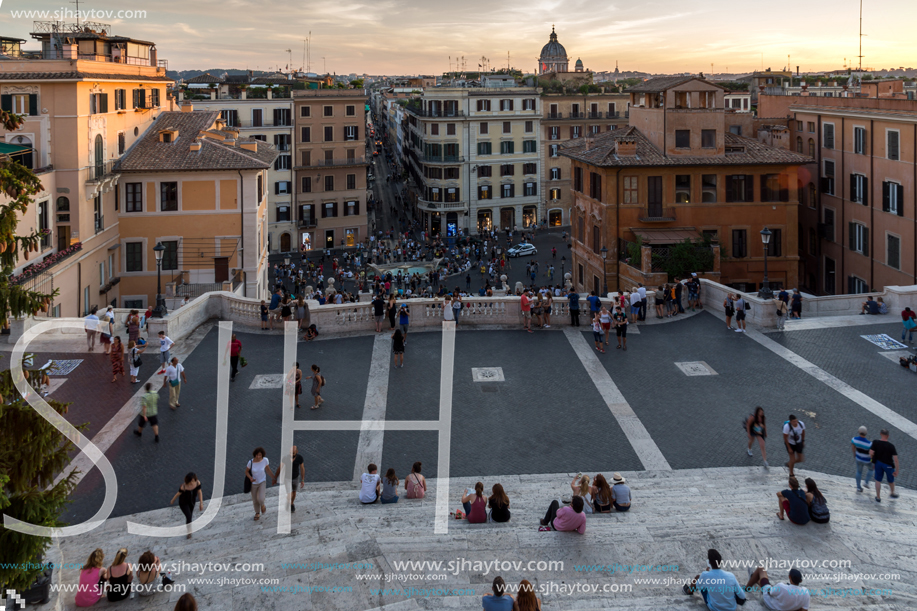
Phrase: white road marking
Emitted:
{"points": [[441, 526], [369, 448], [647, 450]]}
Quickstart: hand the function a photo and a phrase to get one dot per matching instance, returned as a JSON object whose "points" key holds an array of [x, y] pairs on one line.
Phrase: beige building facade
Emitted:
{"points": [[330, 167], [88, 97]]}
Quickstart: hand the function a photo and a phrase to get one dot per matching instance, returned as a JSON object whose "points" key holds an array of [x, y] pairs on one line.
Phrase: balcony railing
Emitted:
{"points": [[100, 171], [307, 222], [435, 113], [657, 214], [438, 206], [321, 163], [443, 159]]}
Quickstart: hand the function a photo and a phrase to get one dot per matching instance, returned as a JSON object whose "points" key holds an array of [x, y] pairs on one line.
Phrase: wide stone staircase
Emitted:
{"points": [[676, 517]]}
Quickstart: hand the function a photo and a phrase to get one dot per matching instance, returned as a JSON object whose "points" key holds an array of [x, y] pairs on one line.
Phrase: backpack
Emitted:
{"points": [[747, 305], [136, 360]]}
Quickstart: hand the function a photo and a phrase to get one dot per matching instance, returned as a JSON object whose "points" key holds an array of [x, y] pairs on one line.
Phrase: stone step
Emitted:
{"points": [[677, 515]]}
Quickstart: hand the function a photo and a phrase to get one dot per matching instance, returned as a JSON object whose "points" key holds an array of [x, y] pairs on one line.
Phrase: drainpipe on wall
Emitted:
{"points": [[618, 192], [242, 230], [872, 214]]}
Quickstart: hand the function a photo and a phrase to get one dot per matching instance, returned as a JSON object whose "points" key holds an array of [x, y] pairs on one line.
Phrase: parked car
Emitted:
{"points": [[522, 250]]}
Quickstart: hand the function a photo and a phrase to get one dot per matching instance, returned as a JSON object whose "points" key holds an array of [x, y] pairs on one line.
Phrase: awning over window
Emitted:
{"points": [[7, 148], [666, 236]]}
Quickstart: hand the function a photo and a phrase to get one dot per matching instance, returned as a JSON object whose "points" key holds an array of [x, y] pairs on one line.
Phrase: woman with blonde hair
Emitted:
{"points": [[526, 599], [119, 577], [582, 486], [91, 577], [601, 495]]}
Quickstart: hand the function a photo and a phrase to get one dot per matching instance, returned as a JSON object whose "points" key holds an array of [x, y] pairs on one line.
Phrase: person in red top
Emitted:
{"points": [[909, 319], [566, 518], [525, 304], [235, 348]]}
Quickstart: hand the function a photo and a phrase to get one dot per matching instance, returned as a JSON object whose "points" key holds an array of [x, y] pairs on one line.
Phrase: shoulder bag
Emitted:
{"points": [[247, 486]]}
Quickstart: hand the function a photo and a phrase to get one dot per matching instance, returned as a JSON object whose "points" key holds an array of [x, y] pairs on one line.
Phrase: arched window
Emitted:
{"points": [[811, 147], [812, 202], [63, 204], [799, 144], [99, 161]]}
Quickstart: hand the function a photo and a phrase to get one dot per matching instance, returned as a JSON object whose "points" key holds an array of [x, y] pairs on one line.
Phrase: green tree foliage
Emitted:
{"points": [[32, 451], [686, 257]]}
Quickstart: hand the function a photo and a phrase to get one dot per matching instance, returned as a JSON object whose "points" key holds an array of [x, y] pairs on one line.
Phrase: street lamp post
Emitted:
{"points": [[605, 269], [160, 310], [765, 292]]}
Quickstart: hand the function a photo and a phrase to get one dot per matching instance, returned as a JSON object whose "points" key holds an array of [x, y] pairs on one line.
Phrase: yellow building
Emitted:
{"points": [[88, 96], [197, 187]]}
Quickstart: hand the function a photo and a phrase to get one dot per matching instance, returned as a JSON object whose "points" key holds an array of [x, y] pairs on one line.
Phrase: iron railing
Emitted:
{"points": [[657, 214]]}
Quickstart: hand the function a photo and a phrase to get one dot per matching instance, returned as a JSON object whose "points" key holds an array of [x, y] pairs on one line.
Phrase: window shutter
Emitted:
{"points": [[866, 241], [356, 207], [276, 187], [571, 132], [851, 285], [103, 99], [335, 209], [33, 104], [749, 188], [324, 211], [886, 197], [730, 189], [852, 229], [900, 189], [865, 194], [6, 102], [853, 187]]}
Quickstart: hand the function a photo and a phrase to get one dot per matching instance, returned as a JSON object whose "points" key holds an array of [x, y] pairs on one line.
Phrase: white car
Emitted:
{"points": [[522, 250]]}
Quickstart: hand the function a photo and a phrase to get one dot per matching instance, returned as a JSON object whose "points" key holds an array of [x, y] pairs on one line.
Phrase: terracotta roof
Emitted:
{"points": [[74, 75], [149, 154], [602, 152], [664, 83]]}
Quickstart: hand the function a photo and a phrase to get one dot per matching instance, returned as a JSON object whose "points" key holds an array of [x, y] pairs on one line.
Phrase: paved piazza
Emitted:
{"points": [[667, 413]]}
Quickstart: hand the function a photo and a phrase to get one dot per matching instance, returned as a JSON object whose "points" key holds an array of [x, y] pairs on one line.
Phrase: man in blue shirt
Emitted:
{"points": [[595, 304], [720, 589], [573, 297]]}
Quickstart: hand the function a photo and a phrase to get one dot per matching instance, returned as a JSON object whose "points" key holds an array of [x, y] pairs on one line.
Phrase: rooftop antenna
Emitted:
{"points": [[324, 65], [507, 62], [861, 37], [309, 53], [77, 3], [303, 54], [290, 51]]}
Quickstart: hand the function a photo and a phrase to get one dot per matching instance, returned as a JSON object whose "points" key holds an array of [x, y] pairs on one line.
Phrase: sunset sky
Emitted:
{"points": [[418, 36]]}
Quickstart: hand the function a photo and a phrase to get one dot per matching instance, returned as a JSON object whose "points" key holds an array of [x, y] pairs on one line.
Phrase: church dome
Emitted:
{"points": [[553, 49], [579, 63]]}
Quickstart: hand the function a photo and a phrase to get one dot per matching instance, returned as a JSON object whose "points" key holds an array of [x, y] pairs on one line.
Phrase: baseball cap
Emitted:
{"points": [[862, 430], [693, 275]]}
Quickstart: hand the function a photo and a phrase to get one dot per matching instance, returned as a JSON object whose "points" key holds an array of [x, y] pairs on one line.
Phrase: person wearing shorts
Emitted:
{"points": [[794, 436], [263, 310], [149, 403], [885, 455], [597, 332], [740, 314], [620, 320], [525, 304], [605, 319]]}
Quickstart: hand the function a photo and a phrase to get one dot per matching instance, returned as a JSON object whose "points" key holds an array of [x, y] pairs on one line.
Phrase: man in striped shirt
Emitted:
{"points": [[861, 447]]}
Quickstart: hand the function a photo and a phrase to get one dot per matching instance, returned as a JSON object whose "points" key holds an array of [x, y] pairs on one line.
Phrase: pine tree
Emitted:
{"points": [[32, 451]]}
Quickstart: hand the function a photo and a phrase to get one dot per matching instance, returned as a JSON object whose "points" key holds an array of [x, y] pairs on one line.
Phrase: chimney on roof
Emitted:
{"points": [[195, 146], [250, 146], [187, 107], [626, 146]]}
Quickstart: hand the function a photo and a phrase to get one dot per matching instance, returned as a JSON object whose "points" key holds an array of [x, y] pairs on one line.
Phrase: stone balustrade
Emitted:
{"points": [[501, 311]]}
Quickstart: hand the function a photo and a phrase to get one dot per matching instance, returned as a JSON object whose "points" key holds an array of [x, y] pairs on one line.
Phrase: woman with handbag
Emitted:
{"points": [[415, 484], [117, 359], [256, 472]]}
